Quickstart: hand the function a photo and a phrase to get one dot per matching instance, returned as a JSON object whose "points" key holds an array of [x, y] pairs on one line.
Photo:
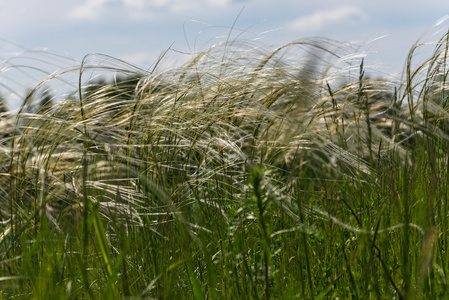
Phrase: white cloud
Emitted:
{"points": [[325, 18], [141, 9], [90, 10], [135, 3]]}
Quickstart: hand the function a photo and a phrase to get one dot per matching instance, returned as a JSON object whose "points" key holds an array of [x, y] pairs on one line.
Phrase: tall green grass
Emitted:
{"points": [[241, 174]]}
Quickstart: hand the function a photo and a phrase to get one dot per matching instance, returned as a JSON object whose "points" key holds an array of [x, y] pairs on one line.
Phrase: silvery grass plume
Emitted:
{"points": [[140, 144], [241, 159], [151, 143]]}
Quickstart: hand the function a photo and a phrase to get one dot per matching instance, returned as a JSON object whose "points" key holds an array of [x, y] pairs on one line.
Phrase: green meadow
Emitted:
{"points": [[244, 173]]}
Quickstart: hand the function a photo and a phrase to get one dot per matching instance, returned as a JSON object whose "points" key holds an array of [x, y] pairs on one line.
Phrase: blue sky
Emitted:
{"points": [[139, 30]]}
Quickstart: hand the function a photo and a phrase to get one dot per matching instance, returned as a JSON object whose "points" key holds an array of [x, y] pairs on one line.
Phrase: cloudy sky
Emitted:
{"points": [[139, 30]]}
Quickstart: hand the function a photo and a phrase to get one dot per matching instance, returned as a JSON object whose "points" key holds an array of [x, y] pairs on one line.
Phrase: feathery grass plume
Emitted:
{"points": [[142, 182]]}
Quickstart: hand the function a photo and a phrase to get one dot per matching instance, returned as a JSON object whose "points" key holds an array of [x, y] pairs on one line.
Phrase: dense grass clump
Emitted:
{"points": [[242, 174]]}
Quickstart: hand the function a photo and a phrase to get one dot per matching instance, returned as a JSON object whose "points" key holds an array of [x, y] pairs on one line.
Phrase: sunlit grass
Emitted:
{"points": [[242, 174]]}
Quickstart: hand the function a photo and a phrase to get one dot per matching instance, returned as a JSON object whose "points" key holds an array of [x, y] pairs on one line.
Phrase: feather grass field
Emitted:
{"points": [[241, 174]]}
